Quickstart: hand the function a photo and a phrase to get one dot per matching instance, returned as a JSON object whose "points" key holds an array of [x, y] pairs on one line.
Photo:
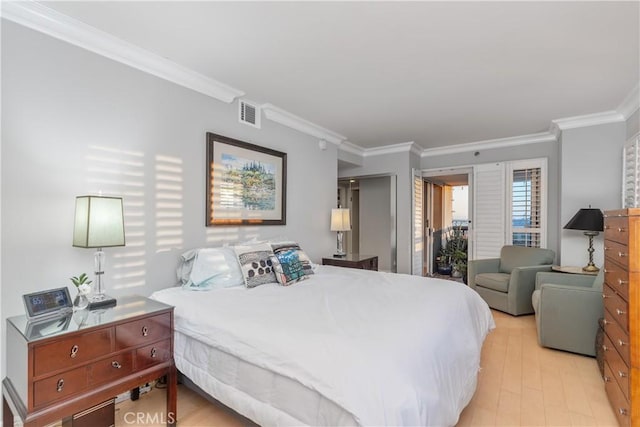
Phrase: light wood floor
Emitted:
{"points": [[520, 384]]}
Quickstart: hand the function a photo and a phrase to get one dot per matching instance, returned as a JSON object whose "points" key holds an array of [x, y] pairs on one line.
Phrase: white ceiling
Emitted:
{"points": [[380, 73]]}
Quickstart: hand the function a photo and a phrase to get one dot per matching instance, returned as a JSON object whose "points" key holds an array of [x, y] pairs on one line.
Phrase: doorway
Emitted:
{"points": [[446, 207], [371, 201]]}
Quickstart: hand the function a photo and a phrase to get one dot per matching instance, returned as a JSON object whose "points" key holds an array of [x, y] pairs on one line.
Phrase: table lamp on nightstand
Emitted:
{"points": [[99, 223], [340, 222], [591, 221]]}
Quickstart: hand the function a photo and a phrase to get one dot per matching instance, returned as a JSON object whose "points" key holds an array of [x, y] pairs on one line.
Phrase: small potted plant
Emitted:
{"points": [[83, 285]]}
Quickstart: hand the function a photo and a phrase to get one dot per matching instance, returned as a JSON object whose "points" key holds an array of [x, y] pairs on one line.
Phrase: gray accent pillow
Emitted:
{"points": [[256, 264]]}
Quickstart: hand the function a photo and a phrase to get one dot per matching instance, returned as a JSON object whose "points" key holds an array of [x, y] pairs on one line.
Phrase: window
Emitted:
{"points": [[527, 210]]}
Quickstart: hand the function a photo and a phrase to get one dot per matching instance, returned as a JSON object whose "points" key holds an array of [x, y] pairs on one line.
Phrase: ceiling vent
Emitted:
{"points": [[249, 113]]}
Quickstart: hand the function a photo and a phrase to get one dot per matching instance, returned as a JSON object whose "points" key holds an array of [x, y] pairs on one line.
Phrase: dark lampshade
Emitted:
{"points": [[587, 219]]}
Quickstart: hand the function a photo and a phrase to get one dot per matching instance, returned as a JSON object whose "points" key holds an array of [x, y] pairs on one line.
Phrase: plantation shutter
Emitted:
{"points": [[631, 173], [527, 203], [525, 207], [488, 210], [417, 246]]}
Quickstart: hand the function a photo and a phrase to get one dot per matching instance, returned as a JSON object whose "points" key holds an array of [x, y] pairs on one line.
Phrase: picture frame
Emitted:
{"points": [[246, 183]]}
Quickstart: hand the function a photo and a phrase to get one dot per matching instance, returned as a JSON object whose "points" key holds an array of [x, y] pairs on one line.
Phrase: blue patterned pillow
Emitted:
{"points": [[288, 267], [286, 246]]}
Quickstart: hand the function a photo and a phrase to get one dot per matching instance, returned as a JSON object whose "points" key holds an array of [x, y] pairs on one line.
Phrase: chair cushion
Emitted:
{"points": [[496, 281], [521, 256], [535, 300]]}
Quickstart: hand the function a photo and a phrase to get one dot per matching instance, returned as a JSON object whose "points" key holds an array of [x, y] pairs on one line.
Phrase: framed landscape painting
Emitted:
{"points": [[246, 183]]}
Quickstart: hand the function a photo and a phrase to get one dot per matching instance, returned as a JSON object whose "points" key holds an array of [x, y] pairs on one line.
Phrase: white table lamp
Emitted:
{"points": [[340, 222], [99, 223]]}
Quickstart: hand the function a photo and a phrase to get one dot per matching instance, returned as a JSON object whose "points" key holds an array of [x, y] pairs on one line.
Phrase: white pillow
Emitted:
{"points": [[256, 264], [211, 268]]}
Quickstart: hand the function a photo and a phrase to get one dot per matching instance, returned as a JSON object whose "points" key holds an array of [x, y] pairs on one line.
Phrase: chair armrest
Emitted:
{"points": [[583, 280], [521, 286], [568, 317], [479, 266]]}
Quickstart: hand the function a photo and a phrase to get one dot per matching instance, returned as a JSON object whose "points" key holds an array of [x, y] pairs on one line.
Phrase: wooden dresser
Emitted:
{"points": [[62, 366], [621, 295]]}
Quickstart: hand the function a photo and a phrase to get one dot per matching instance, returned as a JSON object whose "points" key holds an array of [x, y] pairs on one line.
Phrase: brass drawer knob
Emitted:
{"points": [[116, 364], [74, 351], [607, 379], [145, 331], [605, 296], [622, 411], [604, 347], [621, 254], [621, 230], [621, 343], [605, 322], [60, 385], [622, 282], [154, 352], [620, 312], [622, 374]]}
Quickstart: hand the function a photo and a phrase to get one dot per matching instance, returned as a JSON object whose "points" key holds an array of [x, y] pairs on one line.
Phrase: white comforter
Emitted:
{"points": [[391, 349]]}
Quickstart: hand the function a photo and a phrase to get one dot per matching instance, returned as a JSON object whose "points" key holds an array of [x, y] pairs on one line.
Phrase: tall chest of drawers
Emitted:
{"points": [[62, 366], [621, 293]]}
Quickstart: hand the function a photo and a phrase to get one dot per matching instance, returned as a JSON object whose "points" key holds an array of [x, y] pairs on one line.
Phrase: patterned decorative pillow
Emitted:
{"points": [[256, 264], [288, 268], [285, 246]]}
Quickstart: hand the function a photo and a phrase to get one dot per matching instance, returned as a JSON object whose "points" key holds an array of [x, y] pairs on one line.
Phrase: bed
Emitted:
{"points": [[346, 347]]}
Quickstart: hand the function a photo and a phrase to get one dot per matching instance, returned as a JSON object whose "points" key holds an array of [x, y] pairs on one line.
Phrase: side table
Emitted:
{"points": [[363, 262], [60, 367], [572, 270]]}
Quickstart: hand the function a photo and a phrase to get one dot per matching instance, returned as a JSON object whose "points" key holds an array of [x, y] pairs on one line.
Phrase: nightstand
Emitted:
{"points": [[59, 367], [363, 262]]}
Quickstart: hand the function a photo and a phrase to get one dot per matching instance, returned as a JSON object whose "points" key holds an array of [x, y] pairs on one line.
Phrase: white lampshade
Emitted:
{"points": [[340, 220], [99, 222]]}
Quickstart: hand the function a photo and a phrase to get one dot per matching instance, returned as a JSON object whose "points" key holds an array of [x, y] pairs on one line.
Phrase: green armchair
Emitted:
{"points": [[567, 308], [507, 283]]}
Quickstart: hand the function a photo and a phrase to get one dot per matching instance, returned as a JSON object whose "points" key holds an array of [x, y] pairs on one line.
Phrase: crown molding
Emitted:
{"points": [[55, 24], [352, 148], [490, 143], [631, 103], [401, 147], [586, 120], [285, 118]]}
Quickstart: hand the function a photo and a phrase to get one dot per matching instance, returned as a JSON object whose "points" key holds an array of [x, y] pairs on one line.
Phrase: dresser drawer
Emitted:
{"points": [[155, 353], [111, 368], [70, 352], [619, 338], [59, 386], [617, 278], [616, 253], [616, 397], [616, 306], [616, 229], [619, 369], [143, 331]]}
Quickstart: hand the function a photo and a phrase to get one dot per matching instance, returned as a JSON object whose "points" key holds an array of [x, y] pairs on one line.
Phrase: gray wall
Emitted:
{"points": [[633, 124], [74, 123], [591, 174], [548, 150], [397, 164], [375, 225]]}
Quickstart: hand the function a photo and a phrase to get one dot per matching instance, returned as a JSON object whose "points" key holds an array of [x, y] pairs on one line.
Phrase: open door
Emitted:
{"points": [[417, 224]]}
